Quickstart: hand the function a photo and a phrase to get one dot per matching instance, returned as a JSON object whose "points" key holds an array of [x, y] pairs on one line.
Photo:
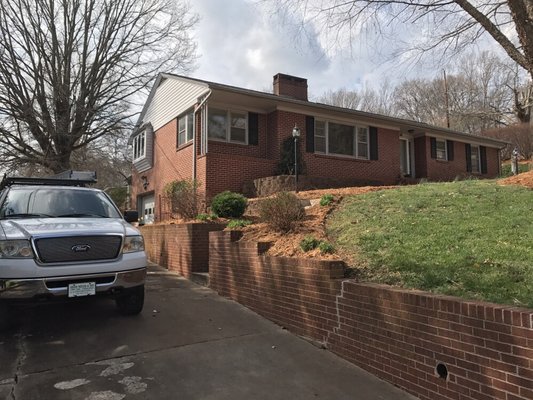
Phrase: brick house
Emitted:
{"points": [[224, 137]]}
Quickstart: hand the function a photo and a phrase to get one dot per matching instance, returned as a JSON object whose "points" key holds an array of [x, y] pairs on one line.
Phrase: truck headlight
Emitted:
{"points": [[15, 249], [132, 244]]}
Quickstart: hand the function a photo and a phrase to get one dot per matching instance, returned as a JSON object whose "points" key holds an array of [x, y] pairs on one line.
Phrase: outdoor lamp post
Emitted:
{"points": [[296, 135]]}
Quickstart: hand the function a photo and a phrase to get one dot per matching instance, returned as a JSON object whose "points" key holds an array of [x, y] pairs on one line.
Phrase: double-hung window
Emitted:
{"points": [[362, 143], [341, 139], [474, 158], [139, 146], [185, 128], [320, 137], [441, 149], [229, 126]]}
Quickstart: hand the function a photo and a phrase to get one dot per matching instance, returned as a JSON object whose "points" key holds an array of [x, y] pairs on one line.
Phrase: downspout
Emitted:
{"points": [[194, 156]]}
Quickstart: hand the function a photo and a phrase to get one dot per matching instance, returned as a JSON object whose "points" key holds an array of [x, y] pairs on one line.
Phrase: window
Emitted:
{"points": [[320, 137], [230, 126], [57, 202], [217, 124], [474, 158], [340, 139], [185, 128], [362, 143], [238, 127], [441, 149], [139, 146]]}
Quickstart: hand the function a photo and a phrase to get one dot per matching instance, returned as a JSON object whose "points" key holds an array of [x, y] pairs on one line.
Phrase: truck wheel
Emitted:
{"points": [[131, 301]]}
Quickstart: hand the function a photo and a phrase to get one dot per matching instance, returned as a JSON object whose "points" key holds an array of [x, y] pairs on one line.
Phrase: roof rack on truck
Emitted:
{"points": [[13, 180]]}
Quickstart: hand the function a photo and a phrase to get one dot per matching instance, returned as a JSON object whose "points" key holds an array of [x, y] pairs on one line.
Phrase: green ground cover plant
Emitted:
{"points": [[238, 223], [326, 200], [507, 169], [472, 239]]}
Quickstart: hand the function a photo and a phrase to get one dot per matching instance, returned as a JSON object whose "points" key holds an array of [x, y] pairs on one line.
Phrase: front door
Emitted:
{"points": [[405, 157]]}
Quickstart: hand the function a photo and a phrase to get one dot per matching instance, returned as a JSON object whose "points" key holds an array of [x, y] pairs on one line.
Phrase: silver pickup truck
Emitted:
{"points": [[59, 238]]}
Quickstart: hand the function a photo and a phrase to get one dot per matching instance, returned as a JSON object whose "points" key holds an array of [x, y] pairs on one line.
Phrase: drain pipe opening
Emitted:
{"points": [[441, 370]]}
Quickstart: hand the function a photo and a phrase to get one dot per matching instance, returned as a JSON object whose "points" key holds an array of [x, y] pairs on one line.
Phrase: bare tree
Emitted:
{"points": [[376, 101], [519, 135], [448, 26], [452, 25], [480, 96], [70, 70]]}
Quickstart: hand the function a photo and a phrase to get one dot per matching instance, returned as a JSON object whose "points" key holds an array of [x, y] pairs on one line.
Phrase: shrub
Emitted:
{"points": [[229, 205], [309, 243], [238, 223], [204, 217], [183, 197], [326, 248], [286, 164], [281, 211], [326, 200]]}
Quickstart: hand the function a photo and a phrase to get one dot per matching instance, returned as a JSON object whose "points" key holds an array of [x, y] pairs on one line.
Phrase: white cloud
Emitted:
{"points": [[240, 44]]}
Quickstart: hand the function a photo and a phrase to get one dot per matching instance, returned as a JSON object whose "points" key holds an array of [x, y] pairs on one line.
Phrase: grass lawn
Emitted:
{"points": [[472, 239]]}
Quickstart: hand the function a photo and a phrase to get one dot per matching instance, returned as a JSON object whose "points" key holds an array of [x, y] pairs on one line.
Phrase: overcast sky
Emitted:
{"points": [[240, 44]]}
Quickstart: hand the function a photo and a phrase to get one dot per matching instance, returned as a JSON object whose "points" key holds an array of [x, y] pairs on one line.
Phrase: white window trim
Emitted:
{"points": [[356, 141], [136, 139], [186, 115], [228, 126], [445, 149]]}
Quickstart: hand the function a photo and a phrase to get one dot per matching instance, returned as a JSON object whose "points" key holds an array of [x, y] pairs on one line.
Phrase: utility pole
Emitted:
{"points": [[446, 100]]}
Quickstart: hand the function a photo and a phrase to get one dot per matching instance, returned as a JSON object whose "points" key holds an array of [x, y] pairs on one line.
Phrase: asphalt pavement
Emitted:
{"points": [[187, 344]]}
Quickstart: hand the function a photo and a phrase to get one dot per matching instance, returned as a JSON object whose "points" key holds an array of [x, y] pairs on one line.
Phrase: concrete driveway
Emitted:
{"points": [[188, 343]]}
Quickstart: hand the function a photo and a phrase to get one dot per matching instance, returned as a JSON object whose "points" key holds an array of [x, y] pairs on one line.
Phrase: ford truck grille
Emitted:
{"points": [[78, 248]]}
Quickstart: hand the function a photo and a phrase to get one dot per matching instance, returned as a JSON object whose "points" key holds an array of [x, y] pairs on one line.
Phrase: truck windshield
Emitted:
{"points": [[48, 202]]}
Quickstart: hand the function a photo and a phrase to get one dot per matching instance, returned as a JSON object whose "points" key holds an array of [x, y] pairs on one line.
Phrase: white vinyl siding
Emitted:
{"points": [[173, 97], [142, 148], [341, 139]]}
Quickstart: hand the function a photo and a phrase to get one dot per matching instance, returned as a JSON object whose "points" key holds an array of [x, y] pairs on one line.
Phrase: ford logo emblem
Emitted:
{"points": [[81, 248]]}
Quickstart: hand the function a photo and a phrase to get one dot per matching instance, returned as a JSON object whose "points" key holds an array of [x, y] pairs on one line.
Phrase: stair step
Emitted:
{"points": [[200, 278]]}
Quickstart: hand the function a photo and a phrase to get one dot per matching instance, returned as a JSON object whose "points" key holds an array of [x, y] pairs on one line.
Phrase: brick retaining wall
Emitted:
{"points": [[183, 248], [485, 351]]}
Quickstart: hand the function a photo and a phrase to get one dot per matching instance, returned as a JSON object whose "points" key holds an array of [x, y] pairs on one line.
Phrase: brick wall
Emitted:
{"points": [[229, 166], [439, 170], [296, 293], [170, 163], [400, 336], [385, 170], [231, 172], [183, 248]]}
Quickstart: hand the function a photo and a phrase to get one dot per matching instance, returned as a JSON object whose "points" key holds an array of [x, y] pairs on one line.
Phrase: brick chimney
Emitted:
{"points": [[290, 86]]}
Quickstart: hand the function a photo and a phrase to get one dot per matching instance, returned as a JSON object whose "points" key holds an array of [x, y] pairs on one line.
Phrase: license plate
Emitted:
{"points": [[82, 289]]}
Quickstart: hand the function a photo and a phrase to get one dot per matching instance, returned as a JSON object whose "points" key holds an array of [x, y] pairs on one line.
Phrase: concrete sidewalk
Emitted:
{"points": [[188, 343]]}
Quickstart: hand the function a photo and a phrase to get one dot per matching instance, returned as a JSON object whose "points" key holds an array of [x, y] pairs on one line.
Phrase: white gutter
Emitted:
{"points": [[196, 108]]}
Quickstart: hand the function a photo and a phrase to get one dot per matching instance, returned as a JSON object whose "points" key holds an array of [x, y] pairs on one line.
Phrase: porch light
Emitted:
{"points": [[144, 181], [295, 135]]}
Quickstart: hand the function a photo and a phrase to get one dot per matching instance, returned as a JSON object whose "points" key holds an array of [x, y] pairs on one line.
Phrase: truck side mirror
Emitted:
{"points": [[131, 216]]}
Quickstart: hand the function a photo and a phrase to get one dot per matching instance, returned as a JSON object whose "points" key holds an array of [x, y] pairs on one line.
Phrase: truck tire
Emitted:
{"points": [[130, 301]]}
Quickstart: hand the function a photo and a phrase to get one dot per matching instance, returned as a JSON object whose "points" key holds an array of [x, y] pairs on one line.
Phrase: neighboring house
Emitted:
{"points": [[224, 137]]}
